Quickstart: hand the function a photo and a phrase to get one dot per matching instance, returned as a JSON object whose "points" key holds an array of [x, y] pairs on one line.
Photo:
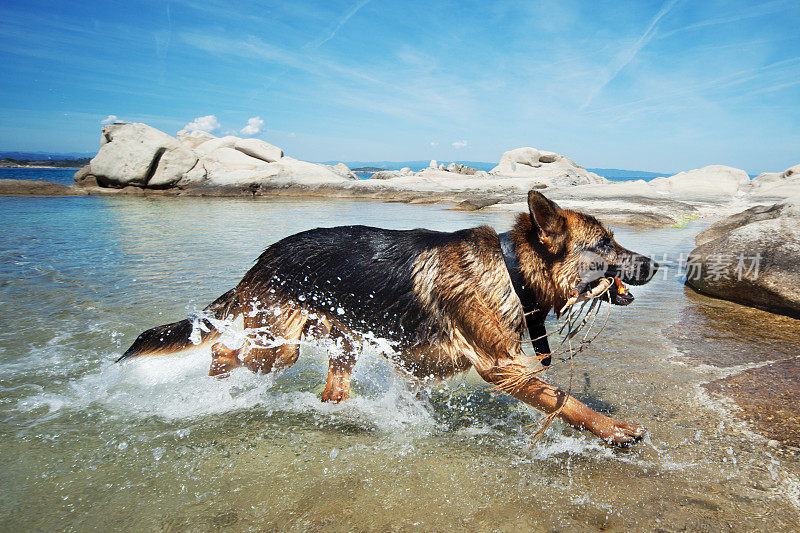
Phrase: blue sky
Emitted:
{"points": [[663, 85]]}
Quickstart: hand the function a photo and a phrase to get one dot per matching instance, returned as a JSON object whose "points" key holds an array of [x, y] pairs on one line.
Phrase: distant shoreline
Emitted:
{"points": [[39, 166]]}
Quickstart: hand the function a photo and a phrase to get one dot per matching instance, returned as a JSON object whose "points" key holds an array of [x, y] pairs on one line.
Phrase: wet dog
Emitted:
{"points": [[445, 302]]}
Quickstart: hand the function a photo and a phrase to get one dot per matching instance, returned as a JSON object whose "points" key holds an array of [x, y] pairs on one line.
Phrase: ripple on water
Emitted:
{"points": [[726, 335]]}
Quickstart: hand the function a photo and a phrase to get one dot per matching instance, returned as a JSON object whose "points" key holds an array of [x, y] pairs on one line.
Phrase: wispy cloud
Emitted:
{"points": [[782, 74], [347, 16], [752, 11], [459, 144], [109, 119], [627, 55]]}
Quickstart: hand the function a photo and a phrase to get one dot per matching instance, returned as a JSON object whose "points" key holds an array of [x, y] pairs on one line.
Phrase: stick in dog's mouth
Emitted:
{"points": [[617, 291]]}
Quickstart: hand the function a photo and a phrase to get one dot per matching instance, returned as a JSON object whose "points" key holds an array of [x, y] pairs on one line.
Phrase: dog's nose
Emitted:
{"points": [[647, 269]]}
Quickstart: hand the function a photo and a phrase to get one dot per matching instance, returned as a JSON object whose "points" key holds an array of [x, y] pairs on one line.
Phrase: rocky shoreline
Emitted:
{"points": [[138, 160]]}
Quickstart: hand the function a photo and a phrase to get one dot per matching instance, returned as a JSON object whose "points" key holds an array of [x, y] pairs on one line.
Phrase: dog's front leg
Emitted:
{"points": [[538, 333], [517, 380]]}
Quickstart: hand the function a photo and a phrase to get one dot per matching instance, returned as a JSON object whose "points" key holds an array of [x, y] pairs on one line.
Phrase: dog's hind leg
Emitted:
{"points": [[340, 365], [263, 353]]}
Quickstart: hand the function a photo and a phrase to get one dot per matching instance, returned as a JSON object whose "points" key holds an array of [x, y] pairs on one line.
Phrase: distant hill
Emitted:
{"points": [[45, 156], [8, 162]]}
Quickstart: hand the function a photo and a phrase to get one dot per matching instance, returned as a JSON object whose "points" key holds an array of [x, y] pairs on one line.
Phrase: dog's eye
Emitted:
{"points": [[603, 244]]}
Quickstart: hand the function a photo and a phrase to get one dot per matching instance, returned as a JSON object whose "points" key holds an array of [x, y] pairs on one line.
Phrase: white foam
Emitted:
{"points": [[178, 387]]}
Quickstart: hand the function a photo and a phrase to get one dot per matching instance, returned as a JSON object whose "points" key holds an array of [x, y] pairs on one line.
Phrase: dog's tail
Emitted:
{"points": [[177, 336]]}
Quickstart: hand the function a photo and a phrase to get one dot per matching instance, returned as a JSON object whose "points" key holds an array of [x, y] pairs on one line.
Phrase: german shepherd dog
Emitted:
{"points": [[444, 301]]}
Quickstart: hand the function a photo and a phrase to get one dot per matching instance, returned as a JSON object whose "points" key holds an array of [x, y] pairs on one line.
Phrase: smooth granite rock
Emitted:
{"points": [[751, 258], [130, 154]]}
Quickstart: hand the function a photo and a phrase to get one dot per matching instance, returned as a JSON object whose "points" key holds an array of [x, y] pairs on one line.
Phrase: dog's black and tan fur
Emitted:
{"points": [[446, 301]]}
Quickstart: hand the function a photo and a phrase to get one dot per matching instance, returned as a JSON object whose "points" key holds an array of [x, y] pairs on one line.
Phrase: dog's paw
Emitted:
{"points": [[335, 395], [624, 434]]}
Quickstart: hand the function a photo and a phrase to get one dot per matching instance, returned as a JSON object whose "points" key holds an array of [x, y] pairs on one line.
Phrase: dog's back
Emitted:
{"points": [[393, 284], [370, 279]]}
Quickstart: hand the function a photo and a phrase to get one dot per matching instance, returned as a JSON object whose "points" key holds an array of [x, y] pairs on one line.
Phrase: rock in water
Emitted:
{"points": [[10, 187], [130, 154], [142, 157], [751, 258]]}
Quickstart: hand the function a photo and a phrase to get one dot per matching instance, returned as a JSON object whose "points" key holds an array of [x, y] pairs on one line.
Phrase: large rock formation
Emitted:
{"points": [[549, 168], [751, 258], [129, 154], [708, 184], [140, 156]]}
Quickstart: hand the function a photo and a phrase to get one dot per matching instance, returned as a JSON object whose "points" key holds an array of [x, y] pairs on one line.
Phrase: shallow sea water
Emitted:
{"points": [[155, 444]]}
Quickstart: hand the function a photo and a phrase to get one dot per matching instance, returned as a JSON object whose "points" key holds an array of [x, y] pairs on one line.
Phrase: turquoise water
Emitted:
{"points": [[158, 445]]}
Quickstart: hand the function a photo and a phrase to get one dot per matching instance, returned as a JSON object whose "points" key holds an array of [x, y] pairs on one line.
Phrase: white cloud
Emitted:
{"points": [[434, 143], [459, 144], [207, 123], [110, 119], [254, 125]]}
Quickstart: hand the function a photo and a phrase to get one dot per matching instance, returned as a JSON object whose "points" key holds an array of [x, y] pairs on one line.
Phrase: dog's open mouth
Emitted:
{"points": [[620, 295]]}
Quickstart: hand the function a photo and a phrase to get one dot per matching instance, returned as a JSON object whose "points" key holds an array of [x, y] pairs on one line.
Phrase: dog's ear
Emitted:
{"points": [[548, 222]]}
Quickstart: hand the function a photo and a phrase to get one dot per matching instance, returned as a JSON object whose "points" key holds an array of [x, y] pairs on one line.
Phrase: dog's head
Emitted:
{"points": [[581, 250]]}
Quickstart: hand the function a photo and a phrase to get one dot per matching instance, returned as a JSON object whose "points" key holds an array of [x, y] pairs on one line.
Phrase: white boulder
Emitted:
{"points": [[776, 185], [460, 169], [711, 183], [549, 168], [172, 166], [342, 170], [228, 158], [129, 154], [209, 146], [259, 149], [283, 173], [388, 174], [193, 139]]}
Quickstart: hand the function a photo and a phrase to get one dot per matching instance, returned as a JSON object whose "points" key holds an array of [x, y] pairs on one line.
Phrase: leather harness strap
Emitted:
{"points": [[534, 321], [512, 263]]}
